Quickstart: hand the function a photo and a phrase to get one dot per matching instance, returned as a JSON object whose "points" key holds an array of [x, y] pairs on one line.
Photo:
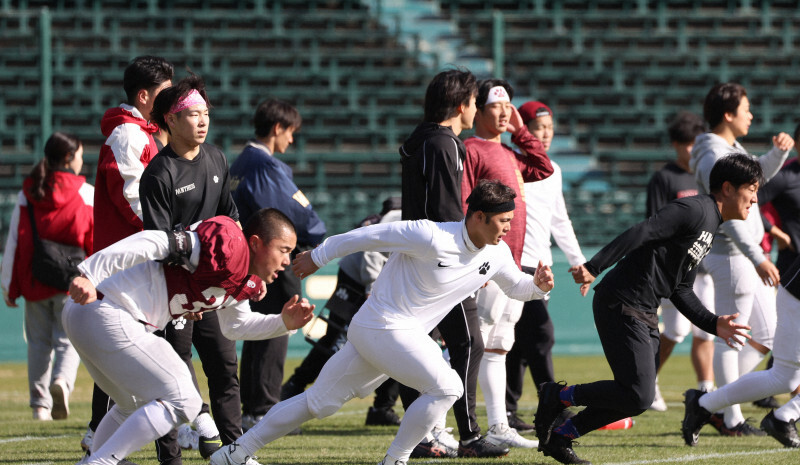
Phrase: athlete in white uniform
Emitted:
{"points": [[433, 267], [125, 294]]}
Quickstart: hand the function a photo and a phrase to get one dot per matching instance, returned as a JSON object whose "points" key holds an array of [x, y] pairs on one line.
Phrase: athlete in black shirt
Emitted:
{"points": [[657, 258]]}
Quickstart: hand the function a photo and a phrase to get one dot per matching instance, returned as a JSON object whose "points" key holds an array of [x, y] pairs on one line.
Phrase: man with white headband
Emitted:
{"points": [[185, 183], [489, 158]]}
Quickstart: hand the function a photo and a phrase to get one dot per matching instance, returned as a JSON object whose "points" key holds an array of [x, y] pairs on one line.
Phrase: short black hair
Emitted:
{"points": [[446, 92], [685, 127], [274, 111], [267, 224], [170, 96], [486, 85], [145, 72], [722, 98], [738, 169], [489, 193]]}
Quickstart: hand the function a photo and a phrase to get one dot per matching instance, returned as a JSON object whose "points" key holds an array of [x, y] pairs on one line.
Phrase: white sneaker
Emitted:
{"points": [[60, 394], [88, 438], [187, 437], [249, 421], [388, 461], [228, 456], [503, 435], [445, 436], [659, 405]]}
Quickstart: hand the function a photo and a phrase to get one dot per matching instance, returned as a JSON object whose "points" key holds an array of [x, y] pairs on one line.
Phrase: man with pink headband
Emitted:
{"points": [[489, 158], [185, 183]]}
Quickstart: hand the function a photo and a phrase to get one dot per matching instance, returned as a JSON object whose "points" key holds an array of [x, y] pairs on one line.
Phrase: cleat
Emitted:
{"points": [[742, 429], [659, 404], [550, 407], [717, 421], [188, 438], [560, 448], [518, 424], [783, 431], [503, 435], [481, 448], [60, 394], [289, 390], [387, 461], [433, 449], [767, 402], [207, 446], [382, 417], [86, 442], [249, 421], [224, 457], [445, 436], [694, 417], [41, 414]]}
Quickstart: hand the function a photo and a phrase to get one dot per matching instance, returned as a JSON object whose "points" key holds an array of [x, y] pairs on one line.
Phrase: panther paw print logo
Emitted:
{"points": [[484, 268]]}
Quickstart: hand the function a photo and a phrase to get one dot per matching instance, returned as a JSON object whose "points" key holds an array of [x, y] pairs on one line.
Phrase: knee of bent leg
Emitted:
{"points": [[187, 409], [447, 384]]}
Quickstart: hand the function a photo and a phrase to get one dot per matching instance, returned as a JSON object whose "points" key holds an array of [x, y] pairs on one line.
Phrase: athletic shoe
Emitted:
{"points": [[503, 435], [433, 449], [207, 446], [717, 421], [290, 390], [382, 417], [223, 457], [550, 406], [742, 429], [60, 394], [387, 461], [560, 448], [694, 417], [42, 414], [249, 421], [659, 405], [767, 402], [481, 448], [784, 431], [518, 424], [445, 436], [88, 438], [188, 438]]}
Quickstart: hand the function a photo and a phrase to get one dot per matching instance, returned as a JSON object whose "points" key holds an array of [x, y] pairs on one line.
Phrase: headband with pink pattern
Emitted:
{"points": [[192, 98]]}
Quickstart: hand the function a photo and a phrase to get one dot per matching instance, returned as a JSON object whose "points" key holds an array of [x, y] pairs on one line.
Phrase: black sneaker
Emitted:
{"points": [[768, 402], [742, 429], [207, 446], [550, 407], [433, 449], [382, 417], [481, 448], [290, 390], [717, 420], [784, 431], [518, 424], [694, 417], [560, 448]]}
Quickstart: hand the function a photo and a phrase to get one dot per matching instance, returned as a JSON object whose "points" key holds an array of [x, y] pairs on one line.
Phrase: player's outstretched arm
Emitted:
{"points": [[82, 291], [544, 278], [297, 312], [303, 265], [582, 276], [727, 328]]}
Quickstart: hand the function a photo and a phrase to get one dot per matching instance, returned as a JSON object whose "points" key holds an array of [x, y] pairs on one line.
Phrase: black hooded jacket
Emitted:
{"points": [[433, 167]]}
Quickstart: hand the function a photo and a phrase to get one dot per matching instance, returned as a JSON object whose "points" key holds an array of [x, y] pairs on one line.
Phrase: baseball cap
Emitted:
{"points": [[533, 110]]}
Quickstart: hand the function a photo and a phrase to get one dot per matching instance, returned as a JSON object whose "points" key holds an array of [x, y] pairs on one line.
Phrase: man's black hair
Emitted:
{"points": [[489, 193], [685, 127], [171, 95], [273, 111], [722, 98], [446, 92], [267, 224], [738, 169], [145, 72], [486, 85]]}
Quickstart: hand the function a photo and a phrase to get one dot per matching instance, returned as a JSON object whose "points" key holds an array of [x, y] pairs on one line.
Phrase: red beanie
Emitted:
{"points": [[533, 110]]}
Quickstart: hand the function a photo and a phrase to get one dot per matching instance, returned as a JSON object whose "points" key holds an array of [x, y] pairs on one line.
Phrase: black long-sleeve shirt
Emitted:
{"points": [[667, 184], [174, 190], [658, 259], [783, 191]]}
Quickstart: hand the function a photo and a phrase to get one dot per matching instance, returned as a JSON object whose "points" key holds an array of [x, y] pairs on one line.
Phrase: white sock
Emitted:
{"points": [[749, 358], [790, 411], [144, 426], [492, 379], [706, 385], [418, 421], [281, 419], [205, 426], [726, 371], [750, 387], [108, 426]]}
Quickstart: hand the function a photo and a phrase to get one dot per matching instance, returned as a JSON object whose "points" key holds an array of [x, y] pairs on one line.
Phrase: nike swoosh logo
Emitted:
{"points": [[443, 266]]}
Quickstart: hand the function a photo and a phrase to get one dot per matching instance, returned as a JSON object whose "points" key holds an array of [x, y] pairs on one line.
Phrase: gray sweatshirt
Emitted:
{"points": [[734, 236]]}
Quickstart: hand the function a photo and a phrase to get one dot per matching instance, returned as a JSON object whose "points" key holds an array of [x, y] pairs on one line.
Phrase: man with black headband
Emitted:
{"points": [[433, 267]]}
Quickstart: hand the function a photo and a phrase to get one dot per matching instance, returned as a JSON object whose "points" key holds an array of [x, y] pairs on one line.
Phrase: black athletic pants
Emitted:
{"points": [[218, 358], [262, 361], [630, 341], [533, 345], [461, 332]]}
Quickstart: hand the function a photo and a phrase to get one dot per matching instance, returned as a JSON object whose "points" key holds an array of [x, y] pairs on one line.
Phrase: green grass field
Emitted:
{"points": [[343, 438]]}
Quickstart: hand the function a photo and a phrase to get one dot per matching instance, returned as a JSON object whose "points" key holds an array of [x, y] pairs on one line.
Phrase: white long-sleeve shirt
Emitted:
{"points": [[433, 267], [128, 276], [547, 215]]}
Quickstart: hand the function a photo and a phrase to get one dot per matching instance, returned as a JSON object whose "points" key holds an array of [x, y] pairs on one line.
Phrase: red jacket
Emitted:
{"points": [[128, 149], [64, 215]]}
